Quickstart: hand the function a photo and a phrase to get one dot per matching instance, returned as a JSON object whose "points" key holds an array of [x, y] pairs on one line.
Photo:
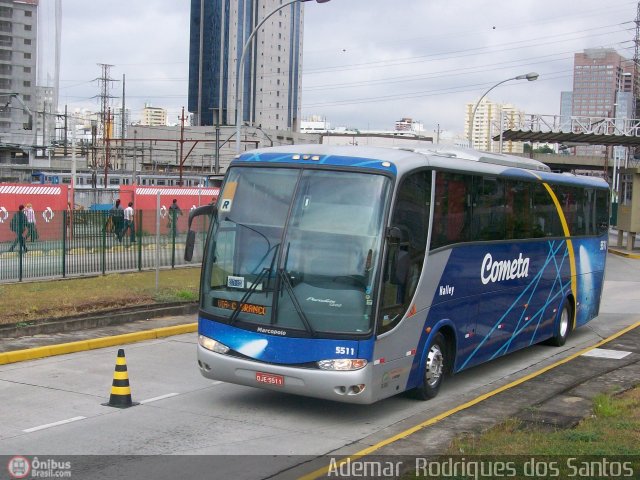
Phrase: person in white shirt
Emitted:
{"points": [[129, 213], [32, 232]]}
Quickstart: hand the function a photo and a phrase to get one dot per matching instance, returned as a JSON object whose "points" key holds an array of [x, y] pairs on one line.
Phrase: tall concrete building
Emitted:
{"points": [[599, 75], [272, 67], [29, 78], [486, 124], [18, 57]]}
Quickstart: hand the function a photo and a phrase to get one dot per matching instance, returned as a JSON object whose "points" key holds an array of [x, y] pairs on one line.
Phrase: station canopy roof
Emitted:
{"points": [[569, 138]]}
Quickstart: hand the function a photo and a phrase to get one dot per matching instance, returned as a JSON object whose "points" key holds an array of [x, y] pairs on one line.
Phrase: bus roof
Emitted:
{"points": [[397, 161]]}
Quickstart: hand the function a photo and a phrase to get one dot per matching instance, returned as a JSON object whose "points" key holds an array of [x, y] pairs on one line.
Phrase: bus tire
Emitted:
{"points": [[562, 327], [435, 366]]}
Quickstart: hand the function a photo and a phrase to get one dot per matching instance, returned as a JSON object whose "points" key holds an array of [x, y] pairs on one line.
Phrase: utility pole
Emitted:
{"points": [[105, 97], [107, 138], [105, 82], [636, 65], [122, 121], [181, 145], [66, 119]]}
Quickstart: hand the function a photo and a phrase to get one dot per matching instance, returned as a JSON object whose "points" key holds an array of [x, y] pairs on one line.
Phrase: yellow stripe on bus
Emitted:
{"points": [[572, 255]]}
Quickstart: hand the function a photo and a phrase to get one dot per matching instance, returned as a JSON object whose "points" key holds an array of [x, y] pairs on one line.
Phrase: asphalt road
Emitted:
{"points": [[54, 406]]}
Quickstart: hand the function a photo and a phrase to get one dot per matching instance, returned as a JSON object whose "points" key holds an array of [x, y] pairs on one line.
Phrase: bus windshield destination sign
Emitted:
{"points": [[246, 307]]}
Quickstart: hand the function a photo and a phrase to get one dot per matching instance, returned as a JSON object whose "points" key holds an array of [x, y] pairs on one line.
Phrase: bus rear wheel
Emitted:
{"points": [[435, 366], [562, 327]]}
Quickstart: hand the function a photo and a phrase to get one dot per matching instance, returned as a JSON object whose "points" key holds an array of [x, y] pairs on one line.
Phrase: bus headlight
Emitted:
{"points": [[342, 364], [211, 344]]}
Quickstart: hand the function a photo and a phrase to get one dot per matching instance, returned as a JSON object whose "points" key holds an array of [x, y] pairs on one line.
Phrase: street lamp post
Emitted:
{"points": [[240, 66], [531, 76]]}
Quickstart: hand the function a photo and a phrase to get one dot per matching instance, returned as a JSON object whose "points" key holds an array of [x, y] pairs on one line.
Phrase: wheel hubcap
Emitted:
{"points": [[435, 365], [564, 322]]}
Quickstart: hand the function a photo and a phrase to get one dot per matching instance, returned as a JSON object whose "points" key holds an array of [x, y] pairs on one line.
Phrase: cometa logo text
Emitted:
{"points": [[497, 271]]}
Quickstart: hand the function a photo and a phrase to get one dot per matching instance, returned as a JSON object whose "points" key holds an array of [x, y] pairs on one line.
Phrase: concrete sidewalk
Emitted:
{"points": [[620, 245]]}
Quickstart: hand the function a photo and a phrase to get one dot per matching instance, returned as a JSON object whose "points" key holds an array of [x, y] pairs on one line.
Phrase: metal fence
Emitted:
{"points": [[86, 242]]}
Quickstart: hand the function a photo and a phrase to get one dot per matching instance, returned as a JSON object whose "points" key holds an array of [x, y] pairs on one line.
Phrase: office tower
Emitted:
{"points": [[599, 75], [566, 110], [272, 67], [29, 77], [18, 57]]}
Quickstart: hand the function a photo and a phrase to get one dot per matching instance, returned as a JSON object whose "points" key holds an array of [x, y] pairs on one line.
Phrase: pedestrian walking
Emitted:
{"points": [[116, 218], [174, 213], [18, 225], [32, 231], [129, 225]]}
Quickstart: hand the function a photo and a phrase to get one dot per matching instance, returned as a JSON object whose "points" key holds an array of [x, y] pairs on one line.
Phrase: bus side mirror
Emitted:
{"points": [[188, 248], [209, 210], [394, 235]]}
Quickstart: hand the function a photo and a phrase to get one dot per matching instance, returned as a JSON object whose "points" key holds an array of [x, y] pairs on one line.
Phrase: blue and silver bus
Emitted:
{"points": [[354, 274]]}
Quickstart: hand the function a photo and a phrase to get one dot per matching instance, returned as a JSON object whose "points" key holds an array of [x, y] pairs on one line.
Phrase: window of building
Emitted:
{"points": [[27, 13], [27, 41], [27, 56], [27, 28]]}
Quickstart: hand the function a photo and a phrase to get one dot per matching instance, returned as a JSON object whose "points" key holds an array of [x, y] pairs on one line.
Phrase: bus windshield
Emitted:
{"points": [[296, 250]]}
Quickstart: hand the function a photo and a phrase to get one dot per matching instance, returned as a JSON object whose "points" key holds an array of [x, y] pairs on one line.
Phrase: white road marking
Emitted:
{"points": [[54, 424], [606, 353], [161, 397]]}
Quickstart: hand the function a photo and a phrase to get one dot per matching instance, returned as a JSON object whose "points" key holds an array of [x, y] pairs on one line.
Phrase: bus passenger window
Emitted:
{"points": [[602, 211], [452, 212], [488, 221]]}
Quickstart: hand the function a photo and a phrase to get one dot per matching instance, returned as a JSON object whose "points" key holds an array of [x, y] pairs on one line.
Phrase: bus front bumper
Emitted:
{"points": [[342, 386]]}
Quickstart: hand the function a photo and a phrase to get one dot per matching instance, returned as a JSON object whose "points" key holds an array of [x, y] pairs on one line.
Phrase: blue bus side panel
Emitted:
{"points": [[501, 315]]}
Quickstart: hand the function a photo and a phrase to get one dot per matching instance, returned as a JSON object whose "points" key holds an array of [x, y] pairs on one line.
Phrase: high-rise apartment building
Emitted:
{"points": [[153, 116], [18, 56], [599, 75], [272, 67], [486, 124]]}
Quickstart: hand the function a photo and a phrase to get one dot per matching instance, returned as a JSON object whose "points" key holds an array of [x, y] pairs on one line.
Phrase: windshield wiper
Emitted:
{"points": [[287, 283], [254, 286], [247, 294]]}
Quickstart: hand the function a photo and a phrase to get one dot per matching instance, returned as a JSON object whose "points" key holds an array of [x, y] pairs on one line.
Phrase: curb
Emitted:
{"points": [[622, 253], [72, 324], [94, 343]]}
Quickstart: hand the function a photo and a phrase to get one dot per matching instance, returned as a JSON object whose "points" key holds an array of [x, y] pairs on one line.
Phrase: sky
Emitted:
{"points": [[366, 63]]}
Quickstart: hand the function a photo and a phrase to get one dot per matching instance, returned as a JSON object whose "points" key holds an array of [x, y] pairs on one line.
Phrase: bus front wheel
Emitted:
{"points": [[434, 368], [562, 327]]}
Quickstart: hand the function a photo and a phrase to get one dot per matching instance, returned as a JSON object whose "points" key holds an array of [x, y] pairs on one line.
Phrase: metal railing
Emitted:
{"points": [[85, 242]]}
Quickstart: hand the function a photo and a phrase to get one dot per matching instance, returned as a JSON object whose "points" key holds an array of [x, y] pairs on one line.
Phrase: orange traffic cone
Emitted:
{"points": [[120, 391]]}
